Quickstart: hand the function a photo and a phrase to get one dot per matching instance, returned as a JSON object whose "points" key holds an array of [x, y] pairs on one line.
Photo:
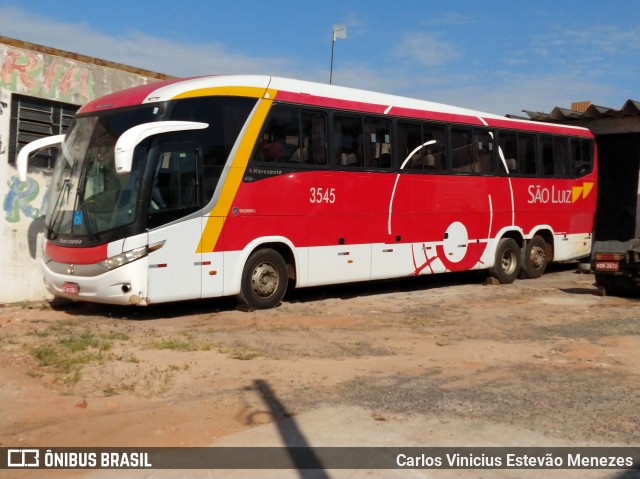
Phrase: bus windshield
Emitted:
{"points": [[173, 174], [87, 197]]}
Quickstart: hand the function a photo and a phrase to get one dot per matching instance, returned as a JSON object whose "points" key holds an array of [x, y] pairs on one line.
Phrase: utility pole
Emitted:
{"points": [[339, 31]]}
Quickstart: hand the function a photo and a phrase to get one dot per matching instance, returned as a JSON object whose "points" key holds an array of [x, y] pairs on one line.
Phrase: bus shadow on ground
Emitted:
{"points": [[303, 295]]}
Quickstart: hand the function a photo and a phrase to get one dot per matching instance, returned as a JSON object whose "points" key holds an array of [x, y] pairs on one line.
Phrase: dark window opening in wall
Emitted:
{"points": [[34, 118]]}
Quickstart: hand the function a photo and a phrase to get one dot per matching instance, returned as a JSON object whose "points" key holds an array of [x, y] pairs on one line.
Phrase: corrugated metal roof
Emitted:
{"points": [[599, 119], [565, 115]]}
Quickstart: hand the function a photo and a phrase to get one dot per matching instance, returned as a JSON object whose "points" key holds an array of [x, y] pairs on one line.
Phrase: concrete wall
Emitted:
{"points": [[40, 72]]}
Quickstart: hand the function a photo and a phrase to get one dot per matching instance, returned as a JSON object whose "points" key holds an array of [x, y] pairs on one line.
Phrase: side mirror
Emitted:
{"points": [[130, 139], [23, 155]]}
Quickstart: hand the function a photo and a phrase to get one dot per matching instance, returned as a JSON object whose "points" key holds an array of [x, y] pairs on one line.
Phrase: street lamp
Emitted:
{"points": [[339, 31]]}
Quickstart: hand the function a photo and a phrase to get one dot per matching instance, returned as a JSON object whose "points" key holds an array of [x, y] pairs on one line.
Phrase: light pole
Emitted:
{"points": [[339, 31]]}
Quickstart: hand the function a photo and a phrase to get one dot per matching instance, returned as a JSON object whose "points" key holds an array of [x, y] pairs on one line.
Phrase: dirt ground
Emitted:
{"points": [[545, 355]]}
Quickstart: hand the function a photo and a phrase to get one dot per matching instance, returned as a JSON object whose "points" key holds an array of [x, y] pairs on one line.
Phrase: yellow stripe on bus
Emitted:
{"points": [[217, 217], [247, 91]]}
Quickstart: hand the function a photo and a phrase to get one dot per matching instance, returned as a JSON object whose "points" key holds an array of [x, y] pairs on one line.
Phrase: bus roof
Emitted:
{"points": [[315, 94]]}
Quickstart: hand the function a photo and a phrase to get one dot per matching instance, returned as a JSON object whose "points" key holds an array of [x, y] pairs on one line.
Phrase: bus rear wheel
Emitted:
{"points": [[264, 279], [535, 258], [507, 263]]}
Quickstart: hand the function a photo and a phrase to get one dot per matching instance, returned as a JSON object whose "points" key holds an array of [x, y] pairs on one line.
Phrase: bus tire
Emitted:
{"points": [[264, 279], [508, 259], [535, 258]]}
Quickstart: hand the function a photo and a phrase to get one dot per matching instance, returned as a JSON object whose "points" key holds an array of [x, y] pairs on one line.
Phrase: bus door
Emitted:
{"points": [[175, 228]]}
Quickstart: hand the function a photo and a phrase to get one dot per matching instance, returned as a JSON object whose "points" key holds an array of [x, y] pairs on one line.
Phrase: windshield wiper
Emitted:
{"points": [[57, 207], [86, 218]]}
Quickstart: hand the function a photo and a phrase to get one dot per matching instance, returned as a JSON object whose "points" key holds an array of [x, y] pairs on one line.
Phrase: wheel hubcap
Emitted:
{"points": [[538, 257], [265, 280], [508, 262]]}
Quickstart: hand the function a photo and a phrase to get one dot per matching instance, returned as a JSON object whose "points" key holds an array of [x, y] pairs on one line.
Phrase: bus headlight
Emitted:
{"points": [[124, 258]]}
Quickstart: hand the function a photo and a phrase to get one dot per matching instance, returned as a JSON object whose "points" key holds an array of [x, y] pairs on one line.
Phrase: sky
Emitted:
{"points": [[497, 56]]}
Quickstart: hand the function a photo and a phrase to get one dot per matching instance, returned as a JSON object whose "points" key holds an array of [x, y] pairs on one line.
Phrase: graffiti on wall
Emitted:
{"points": [[45, 77], [19, 200]]}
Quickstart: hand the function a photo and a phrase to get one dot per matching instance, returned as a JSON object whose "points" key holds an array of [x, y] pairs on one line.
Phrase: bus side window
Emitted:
{"points": [[348, 140], [461, 150], [581, 157], [554, 156], [408, 138], [435, 158], [280, 137], [472, 150], [519, 153], [548, 156], [313, 149], [430, 157], [560, 157], [482, 161], [509, 151], [527, 154], [377, 148]]}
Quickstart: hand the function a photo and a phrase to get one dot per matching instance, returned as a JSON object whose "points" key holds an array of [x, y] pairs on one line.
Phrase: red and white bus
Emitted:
{"points": [[248, 185]]}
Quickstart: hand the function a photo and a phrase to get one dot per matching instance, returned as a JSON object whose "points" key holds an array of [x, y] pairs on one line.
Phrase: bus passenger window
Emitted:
{"points": [[519, 153], [508, 144], [554, 156], [431, 157], [461, 150], [546, 149], [581, 157], [409, 137], [348, 140], [280, 137], [560, 157], [313, 149], [377, 150], [527, 154], [435, 153], [482, 162]]}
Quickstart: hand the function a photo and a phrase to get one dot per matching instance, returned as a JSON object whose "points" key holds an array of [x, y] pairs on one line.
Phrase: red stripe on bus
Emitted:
{"points": [[63, 254], [435, 115], [538, 127], [307, 99], [128, 97]]}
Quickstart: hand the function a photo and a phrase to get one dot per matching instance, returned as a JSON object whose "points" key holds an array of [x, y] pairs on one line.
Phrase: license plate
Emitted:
{"points": [[70, 288], [607, 266]]}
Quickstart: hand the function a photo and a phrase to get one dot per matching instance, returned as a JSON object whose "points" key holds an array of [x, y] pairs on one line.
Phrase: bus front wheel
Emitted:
{"points": [[264, 279], [507, 263]]}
